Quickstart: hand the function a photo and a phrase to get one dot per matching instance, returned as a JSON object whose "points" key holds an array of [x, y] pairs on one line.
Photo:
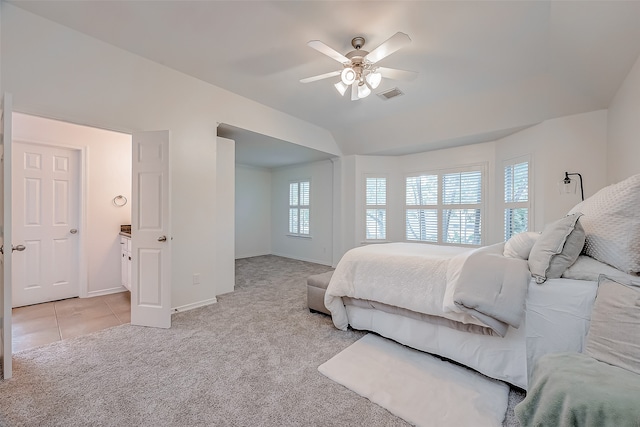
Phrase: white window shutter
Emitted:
{"points": [[376, 208], [516, 198], [445, 207], [299, 208]]}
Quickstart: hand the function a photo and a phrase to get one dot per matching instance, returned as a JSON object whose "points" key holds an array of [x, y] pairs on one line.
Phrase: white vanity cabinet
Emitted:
{"points": [[125, 261]]}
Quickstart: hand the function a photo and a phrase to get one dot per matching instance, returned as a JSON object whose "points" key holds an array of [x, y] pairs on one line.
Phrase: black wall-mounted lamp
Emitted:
{"points": [[568, 185]]}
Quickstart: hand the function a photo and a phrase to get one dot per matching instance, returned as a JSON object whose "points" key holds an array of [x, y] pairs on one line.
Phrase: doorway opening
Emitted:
{"points": [[264, 168], [86, 258]]}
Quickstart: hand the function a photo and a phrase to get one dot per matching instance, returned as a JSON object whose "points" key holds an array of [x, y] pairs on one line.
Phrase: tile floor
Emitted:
{"points": [[41, 324]]}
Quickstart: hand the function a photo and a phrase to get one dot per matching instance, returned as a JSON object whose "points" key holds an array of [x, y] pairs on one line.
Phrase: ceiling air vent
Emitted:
{"points": [[391, 93]]}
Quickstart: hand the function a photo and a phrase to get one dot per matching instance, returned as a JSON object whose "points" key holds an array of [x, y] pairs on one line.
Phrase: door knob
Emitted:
{"points": [[162, 239], [73, 231], [19, 248]]}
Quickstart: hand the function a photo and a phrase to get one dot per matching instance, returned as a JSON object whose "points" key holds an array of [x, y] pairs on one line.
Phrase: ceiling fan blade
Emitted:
{"points": [[354, 91], [395, 74], [330, 52], [321, 76], [392, 44]]}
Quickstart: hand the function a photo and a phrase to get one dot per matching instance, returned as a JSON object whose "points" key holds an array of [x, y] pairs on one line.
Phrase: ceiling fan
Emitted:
{"points": [[360, 71]]}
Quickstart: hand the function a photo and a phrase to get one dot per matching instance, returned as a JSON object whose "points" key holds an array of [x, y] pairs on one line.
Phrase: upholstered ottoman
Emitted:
{"points": [[316, 287]]}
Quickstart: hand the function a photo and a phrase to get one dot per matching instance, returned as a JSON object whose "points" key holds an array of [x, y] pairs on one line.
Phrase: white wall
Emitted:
{"points": [[576, 143], [348, 233], [53, 71], [225, 229], [623, 150], [252, 211], [319, 247], [573, 143], [108, 174]]}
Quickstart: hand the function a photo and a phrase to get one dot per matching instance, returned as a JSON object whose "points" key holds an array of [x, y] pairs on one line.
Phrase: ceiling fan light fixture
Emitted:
{"points": [[359, 67], [374, 79], [341, 88], [348, 76], [363, 90]]}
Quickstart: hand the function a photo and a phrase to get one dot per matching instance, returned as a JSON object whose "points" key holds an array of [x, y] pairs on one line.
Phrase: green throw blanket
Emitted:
{"points": [[572, 389]]}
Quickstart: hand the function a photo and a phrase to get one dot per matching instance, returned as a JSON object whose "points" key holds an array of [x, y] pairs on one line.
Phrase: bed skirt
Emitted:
{"points": [[557, 317], [500, 358]]}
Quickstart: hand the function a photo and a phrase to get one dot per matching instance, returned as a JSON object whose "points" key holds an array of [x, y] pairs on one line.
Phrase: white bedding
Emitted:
{"points": [[557, 317], [397, 274], [488, 286], [469, 286]]}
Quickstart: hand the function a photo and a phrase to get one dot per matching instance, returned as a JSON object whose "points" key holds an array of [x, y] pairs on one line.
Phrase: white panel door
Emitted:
{"points": [[150, 231], [5, 237], [46, 212]]}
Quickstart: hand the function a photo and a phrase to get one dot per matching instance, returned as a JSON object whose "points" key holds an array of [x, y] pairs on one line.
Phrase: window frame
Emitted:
{"points": [[515, 205], [440, 206], [383, 207], [422, 207], [299, 208]]}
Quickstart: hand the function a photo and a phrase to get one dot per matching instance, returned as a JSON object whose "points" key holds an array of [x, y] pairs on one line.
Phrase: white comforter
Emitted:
{"points": [[417, 277]]}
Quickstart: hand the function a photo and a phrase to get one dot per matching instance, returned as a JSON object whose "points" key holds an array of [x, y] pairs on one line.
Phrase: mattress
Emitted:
{"points": [[557, 317]]}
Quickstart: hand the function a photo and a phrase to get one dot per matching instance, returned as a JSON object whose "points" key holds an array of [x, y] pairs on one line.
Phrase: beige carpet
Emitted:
{"points": [[421, 389], [250, 360]]}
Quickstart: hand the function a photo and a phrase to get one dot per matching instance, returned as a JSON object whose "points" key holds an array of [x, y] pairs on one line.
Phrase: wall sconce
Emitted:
{"points": [[568, 185]]}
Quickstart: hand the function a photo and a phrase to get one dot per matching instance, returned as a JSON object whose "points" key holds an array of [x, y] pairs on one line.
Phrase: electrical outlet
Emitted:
{"points": [[196, 278]]}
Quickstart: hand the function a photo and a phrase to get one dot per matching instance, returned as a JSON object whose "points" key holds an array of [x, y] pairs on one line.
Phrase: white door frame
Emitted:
{"points": [[83, 289], [83, 270], [6, 349]]}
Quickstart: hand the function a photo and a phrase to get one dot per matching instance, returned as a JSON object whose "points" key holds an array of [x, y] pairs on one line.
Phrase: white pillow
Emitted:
{"points": [[613, 333], [587, 268], [557, 248], [519, 245], [611, 221]]}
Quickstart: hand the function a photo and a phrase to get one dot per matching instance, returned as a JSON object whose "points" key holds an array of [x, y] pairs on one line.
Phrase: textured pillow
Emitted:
{"points": [[519, 245], [611, 223], [615, 321], [557, 248]]}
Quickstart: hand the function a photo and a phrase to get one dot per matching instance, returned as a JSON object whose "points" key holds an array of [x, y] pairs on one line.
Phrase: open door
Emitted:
{"points": [[150, 231], [5, 236]]}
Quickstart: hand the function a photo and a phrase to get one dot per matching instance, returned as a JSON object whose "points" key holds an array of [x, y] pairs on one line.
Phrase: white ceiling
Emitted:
{"points": [[487, 69]]}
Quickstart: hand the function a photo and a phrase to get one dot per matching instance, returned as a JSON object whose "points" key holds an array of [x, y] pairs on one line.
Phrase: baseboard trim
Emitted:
{"points": [[106, 292], [315, 261], [194, 305], [251, 255]]}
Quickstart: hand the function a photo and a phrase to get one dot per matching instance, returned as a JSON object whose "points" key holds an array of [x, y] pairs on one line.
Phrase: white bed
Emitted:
{"points": [[398, 290], [388, 290]]}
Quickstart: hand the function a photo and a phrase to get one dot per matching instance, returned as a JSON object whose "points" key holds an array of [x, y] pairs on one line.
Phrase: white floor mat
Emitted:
{"points": [[417, 387]]}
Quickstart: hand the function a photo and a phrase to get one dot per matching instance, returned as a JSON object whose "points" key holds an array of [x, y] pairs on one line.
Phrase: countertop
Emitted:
{"points": [[125, 230]]}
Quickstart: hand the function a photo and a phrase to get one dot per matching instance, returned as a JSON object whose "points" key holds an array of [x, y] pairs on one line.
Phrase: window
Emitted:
{"points": [[376, 208], [299, 208], [422, 208], [445, 207], [516, 197], [461, 216]]}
